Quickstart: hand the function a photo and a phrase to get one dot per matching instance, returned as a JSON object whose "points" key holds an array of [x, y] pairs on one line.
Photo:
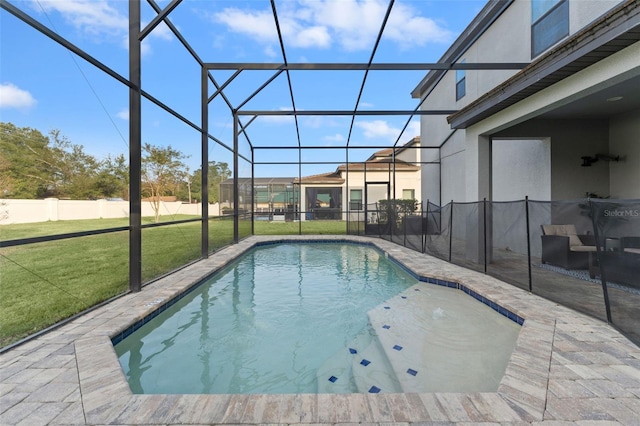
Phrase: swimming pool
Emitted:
{"points": [[282, 319]]}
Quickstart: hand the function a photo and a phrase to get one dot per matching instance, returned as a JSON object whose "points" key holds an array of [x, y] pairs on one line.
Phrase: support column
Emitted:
{"points": [[478, 180], [236, 196], [204, 94], [135, 149]]}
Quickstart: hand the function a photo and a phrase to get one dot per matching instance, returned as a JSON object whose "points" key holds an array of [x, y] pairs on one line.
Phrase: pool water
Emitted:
{"points": [[264, 325], [320, 318]]}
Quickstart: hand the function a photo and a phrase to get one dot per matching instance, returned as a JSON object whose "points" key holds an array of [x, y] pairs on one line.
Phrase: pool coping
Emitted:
{"points": [[565, 367]]}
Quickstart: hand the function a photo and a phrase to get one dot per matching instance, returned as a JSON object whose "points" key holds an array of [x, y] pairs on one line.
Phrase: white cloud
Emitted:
{"points": [[11, 96], [316, 121], [256, 24], [161, 31], [408, 29], [145, 46], [378, 129], [100, 19], [335, 138], [123, 114], [352, 24], [413, 129], [298, 36], [95, 17], [270, 51]]}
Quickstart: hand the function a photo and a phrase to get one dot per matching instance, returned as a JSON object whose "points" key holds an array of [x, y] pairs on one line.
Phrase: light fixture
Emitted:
{"points": [[587, 161], [614, 98]]}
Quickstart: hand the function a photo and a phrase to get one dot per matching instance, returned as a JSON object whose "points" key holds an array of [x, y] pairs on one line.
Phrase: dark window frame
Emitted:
{"points": [[461, 88], [355, 203], [558, 17], [461, 82]]}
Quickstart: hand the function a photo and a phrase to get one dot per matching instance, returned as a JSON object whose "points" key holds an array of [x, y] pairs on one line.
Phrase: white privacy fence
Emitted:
{"points": [[52, 209]]}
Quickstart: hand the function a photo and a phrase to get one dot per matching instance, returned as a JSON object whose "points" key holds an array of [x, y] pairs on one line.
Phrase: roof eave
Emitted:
{"points": [[603, 38]]}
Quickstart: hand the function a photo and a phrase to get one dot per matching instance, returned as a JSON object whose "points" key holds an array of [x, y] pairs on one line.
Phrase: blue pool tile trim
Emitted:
{"points": [[353, 351], [365, 362], [397, 347], [493, 305], [333, 379], [501, 310], [412, 371], [452, 284], [161, 308], [374, 389], [386, 326]]}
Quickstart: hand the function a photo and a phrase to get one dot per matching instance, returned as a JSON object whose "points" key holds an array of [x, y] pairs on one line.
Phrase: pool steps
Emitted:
{"points": [[401, 328], [395, 352], [365, 364], [340, 366], [378, 375]]}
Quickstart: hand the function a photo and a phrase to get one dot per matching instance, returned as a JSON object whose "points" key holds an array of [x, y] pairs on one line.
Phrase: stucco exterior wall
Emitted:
{"points": [[434, 129], [430, 171], [624, 137], [464, 171], [569, 141], [578, 139], [453, 169], [411, 154], [507, 40], [520, 167], [583, 12]]}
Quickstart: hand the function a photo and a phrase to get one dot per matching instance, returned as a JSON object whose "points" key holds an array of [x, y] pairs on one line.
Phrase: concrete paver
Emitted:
{"points": [[567, 368]]}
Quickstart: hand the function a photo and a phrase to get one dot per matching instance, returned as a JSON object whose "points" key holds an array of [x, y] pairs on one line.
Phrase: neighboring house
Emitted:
{"points": [[388, 173], [527, 133], [272, 197]]}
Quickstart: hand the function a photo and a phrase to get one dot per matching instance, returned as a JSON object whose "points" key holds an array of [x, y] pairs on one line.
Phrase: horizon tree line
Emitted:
{"points": [[37, 166]]}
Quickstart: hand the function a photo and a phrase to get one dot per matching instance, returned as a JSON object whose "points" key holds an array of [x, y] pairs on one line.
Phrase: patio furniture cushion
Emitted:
{"points": [[562, 246], [564, 230], [582, 248]]}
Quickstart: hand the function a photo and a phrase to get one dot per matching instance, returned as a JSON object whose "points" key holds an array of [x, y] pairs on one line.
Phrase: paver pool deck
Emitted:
{"points": [[567, 368]]}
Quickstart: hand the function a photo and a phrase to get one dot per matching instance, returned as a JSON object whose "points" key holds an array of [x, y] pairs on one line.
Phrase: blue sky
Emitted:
{"points": [[44, 86]]}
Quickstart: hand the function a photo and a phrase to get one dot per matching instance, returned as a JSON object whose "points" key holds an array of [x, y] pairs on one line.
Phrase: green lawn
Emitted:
{"points": [[43, 283]]}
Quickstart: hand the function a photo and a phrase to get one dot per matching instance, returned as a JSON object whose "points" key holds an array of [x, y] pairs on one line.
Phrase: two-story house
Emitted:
{"points": [[565, 126], [354, 189]]}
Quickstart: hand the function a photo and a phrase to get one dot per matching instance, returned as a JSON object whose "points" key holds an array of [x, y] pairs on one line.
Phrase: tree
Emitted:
{"points": [[218, 173], [24, 168], [37, 166], [113, 177], [162, 173], [73, 172], [33, 165]]}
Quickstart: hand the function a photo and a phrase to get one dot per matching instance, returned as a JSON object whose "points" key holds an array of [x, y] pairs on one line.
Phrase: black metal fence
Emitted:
{"points": [[583, 254]]}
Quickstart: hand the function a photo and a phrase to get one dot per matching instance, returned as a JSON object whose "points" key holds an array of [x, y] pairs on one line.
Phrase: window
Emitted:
{"points": [[549, 24], [355, 199], [461, 78], [408, 194]]}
